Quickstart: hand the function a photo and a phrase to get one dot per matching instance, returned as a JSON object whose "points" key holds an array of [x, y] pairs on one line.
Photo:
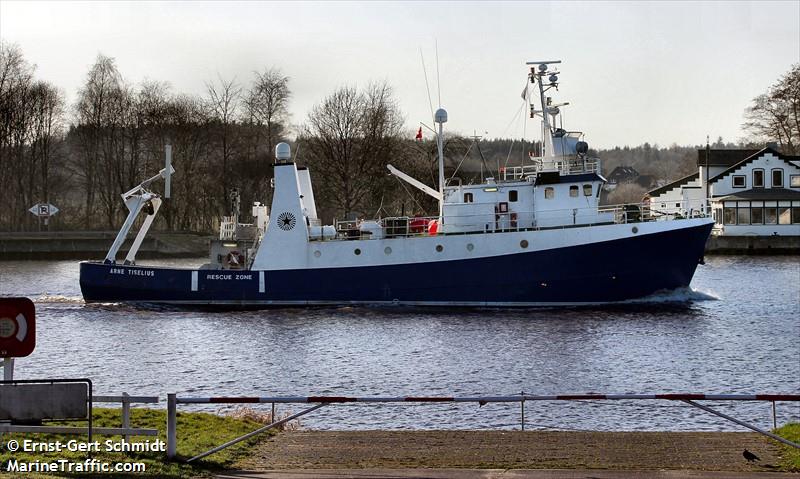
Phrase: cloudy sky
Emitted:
{"points": [[663, 72]]}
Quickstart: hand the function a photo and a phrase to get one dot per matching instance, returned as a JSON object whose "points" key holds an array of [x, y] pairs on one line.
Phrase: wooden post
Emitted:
{"points": [[172, 423]]}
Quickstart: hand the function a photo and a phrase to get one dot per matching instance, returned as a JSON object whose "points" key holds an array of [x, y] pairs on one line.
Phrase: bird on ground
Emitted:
{"points": [[750, 456]]}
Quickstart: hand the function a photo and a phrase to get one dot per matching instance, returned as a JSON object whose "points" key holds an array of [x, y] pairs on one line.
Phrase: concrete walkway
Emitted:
{"points": [[497, 474]]}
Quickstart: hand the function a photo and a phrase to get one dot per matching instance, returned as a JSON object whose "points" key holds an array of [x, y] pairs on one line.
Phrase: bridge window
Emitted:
{"points": [[549, 193], [758, 178], [738, 181], [777, 178], [587, 190], [513, 195], [468, 198], [573, 191], [794, 181]]}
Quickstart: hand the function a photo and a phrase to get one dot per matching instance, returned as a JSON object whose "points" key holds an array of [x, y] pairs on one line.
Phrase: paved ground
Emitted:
{"points": [[510, 454], [498, 474]]}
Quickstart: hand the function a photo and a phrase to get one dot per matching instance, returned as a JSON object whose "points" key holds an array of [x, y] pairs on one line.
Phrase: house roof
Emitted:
{"points": [[752, 157], [723, 157], [762, 194], [674, 184], [623, 172]]}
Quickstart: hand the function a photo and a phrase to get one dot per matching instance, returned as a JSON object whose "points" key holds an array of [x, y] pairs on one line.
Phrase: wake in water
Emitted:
{"points": [[680, 295], [58, 298]]}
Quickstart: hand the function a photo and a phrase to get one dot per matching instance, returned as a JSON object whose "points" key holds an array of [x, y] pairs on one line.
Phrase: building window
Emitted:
{"points": [[743, 215], [513, 195], [784, 215], [794, 181], [777, 178], [468, 198], [771, 215], [758, 178], [757, 215], [729, 216], [573, 191], [587, 190], [549, 193], [677, 205], [739, 181]]}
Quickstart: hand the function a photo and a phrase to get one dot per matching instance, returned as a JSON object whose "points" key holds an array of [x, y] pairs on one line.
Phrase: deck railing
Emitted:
{"points": [[563, 165], [412, 226]]}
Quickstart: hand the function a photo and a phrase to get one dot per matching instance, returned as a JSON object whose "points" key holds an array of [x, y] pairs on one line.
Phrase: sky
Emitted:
{"points": [[633, 72]]}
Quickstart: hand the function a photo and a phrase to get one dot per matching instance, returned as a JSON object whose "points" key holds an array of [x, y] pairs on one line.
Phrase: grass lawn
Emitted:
{"points": [[197, 432], [791, 455]]}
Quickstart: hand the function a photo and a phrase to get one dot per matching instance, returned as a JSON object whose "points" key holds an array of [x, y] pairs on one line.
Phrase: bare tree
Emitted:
{"points": [[348, 140], [268, 103], [775, 115], [223, 103]]}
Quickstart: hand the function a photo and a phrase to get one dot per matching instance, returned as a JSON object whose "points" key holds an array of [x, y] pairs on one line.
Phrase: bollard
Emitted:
{"points": [[172, 424]]}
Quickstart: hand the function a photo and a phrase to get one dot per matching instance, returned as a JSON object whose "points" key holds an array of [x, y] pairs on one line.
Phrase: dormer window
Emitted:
{"points": [[739, 181], [758, 178], [777, 178], [573, 191], [549, 193], [468, 198]]}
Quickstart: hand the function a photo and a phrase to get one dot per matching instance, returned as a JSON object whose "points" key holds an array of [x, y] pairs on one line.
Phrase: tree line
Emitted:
{"points": [[82, 156]]}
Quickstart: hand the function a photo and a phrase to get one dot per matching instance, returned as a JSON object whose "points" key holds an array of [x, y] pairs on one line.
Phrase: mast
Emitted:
{"points": [[441, 118], [547, 133]]}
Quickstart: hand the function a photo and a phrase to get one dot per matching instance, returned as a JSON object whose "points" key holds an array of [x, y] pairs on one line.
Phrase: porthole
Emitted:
{"points": [[635, 230], [439, 248], [523, 244], [387, 250], [470, 246], [317, 254], [357, 251]]}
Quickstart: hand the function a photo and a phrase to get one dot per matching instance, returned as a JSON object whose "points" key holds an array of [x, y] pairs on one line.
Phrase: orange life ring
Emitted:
{"points": [[235, 260]]}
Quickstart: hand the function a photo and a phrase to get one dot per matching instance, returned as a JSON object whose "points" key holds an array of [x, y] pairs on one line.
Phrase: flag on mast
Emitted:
{"points": [[419, 135]]}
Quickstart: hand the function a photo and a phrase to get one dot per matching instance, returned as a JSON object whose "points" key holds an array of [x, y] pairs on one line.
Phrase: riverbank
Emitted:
{"points": [[95, 244]]}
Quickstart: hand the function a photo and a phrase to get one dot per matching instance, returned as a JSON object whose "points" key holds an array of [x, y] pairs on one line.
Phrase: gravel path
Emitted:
{"points": [[514, 450]]}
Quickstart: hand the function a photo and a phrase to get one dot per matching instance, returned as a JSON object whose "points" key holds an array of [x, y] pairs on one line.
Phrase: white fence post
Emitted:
{"points": [[172, 423], [126, 414]]}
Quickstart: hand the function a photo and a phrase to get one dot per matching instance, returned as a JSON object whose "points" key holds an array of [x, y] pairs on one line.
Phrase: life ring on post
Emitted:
{"points": [[234, 260]]}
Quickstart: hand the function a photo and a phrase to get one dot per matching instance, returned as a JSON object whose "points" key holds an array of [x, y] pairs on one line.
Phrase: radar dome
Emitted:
{"points": [[283, 152]]}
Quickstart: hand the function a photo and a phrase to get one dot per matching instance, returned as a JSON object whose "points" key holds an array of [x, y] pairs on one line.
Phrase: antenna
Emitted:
{"points": [[427, 87], [438, 83], [167, 170]]}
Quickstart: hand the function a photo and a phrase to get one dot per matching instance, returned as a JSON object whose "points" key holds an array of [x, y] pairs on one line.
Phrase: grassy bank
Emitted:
{"points": [[197, 432], [791, 455]]}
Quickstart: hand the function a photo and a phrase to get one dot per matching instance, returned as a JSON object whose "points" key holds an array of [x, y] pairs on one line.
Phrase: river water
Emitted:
{"points": [[736, 331]]}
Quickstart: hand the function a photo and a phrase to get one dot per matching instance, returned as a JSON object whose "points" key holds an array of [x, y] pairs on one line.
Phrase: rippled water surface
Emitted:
{"points": [[736, 331]]}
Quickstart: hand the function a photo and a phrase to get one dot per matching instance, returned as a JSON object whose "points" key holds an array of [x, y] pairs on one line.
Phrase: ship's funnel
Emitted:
{"points": [[283, 152]]}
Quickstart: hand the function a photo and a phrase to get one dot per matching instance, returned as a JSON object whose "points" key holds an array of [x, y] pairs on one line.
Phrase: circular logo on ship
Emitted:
{"points": [[286, 221]]}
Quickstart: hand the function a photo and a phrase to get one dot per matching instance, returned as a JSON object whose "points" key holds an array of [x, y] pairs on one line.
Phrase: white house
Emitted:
{"points": [[750, 192]]}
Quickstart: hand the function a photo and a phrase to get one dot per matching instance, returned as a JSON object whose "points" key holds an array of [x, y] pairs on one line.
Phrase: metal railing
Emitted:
{"points": [[413, 226], [563, 165], [321, 401], [126, 430]]}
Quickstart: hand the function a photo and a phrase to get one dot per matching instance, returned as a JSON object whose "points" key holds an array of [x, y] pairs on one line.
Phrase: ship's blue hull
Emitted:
{"points": [[603, 272]]}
